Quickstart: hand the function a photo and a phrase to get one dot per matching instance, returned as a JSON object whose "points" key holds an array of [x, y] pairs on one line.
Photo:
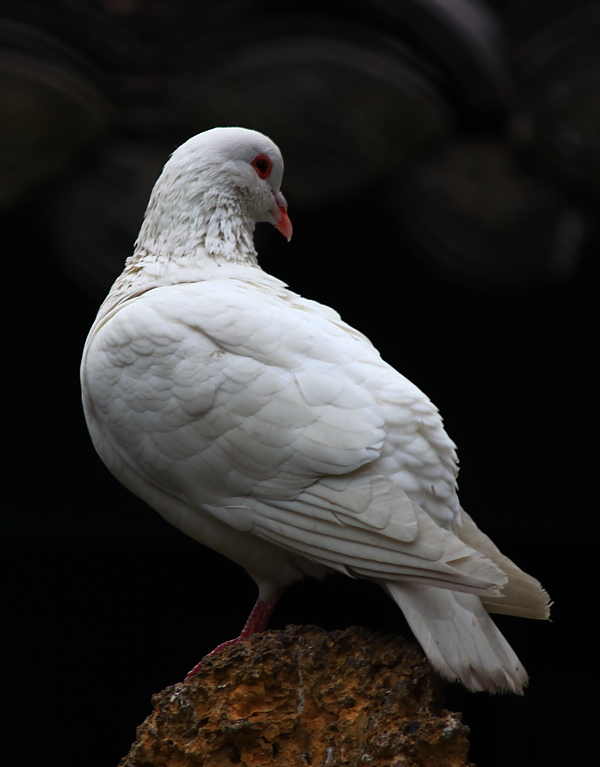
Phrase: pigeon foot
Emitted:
{"points": [[256, 623]]}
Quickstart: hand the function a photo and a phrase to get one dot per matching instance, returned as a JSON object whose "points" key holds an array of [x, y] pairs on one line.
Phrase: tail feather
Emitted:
{"points": [[522, 595], [459, 637]]}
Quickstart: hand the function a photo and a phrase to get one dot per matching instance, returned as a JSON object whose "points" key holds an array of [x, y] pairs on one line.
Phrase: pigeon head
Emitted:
{"points": [[213, 190]]}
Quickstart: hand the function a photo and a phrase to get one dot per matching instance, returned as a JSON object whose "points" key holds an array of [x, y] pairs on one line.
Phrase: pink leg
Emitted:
{"points": [[256, 623]]}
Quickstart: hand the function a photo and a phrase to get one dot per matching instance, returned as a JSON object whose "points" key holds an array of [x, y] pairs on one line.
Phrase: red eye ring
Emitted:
{"points": [[262, 165]]}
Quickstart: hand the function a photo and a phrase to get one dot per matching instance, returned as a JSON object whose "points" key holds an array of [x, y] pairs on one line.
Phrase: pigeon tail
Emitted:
{"points": [[459, 637]]}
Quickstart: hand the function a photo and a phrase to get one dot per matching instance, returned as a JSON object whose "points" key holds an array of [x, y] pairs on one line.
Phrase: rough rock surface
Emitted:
{"points": [[302, 697]]}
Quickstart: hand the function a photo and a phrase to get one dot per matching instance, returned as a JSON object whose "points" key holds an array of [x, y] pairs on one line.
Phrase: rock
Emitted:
{"points": [[304, 696]]}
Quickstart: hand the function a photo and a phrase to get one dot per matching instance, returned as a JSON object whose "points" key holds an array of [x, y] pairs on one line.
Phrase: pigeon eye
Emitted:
{"points": [[262, 165]]}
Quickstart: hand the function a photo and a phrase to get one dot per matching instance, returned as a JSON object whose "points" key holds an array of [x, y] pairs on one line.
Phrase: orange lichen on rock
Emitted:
{"points": [[302, 697]]}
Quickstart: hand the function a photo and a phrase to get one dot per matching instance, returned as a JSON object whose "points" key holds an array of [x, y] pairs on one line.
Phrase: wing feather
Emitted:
{"points": [[286, 424]]}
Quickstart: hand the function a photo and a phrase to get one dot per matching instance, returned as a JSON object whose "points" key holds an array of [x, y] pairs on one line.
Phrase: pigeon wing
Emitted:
{"points": [[261, 411]]}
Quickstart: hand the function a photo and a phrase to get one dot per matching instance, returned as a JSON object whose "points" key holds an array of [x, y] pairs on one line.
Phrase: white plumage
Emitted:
{"points": [[263, 426]]}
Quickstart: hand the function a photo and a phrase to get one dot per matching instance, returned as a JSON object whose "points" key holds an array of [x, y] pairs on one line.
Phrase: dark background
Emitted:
{"points": [[446, 208]]}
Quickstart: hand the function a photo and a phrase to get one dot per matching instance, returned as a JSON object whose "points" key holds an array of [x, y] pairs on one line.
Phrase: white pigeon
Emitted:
{"points": [[263, 426]]}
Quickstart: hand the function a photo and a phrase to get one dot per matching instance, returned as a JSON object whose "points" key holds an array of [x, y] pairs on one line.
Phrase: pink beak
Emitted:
{"points": [[283, 223]]}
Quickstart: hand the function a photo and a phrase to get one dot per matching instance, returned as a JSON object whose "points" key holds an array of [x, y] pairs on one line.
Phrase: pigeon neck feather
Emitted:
{"points": [[195, 219]]}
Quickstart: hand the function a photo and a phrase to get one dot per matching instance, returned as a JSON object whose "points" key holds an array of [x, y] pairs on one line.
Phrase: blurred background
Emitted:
{"points": [[443, 178]]}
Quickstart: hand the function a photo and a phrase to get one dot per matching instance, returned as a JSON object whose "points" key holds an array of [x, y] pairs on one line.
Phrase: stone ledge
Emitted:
{"points": [[304, 696]]}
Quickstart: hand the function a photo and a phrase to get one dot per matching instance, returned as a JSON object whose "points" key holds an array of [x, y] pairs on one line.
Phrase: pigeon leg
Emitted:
{"points": [[256, 623]]}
